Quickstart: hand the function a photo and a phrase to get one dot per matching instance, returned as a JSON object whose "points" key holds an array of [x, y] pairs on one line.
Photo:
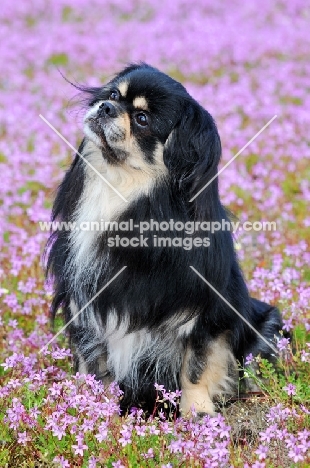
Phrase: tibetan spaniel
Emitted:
{"points": [[168, 305]]}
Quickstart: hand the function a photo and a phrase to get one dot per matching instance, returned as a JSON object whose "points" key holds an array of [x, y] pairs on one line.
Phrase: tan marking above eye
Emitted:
{"points": [[123, 87], [140, 103]]}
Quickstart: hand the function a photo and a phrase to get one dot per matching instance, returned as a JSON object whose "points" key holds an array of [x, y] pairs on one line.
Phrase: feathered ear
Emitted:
{"points": [[191, 154]]}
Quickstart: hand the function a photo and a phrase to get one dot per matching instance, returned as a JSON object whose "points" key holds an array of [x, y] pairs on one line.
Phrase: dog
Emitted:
{"points": [[157, 321]]}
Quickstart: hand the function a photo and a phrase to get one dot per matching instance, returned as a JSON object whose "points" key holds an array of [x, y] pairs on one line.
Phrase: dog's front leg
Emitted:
{"points": [[203, 378], [96, 366], [89, 354]]}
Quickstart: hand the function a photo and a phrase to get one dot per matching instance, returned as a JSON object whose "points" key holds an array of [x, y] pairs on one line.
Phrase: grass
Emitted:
{"points": [[47, 400], [50, 417], [30, 437]]}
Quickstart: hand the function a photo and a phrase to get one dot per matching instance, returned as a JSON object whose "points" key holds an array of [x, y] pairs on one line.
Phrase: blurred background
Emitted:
{"points": [[245, 62]]}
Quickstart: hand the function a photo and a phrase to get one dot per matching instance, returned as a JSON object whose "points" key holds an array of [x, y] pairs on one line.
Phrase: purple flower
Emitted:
{"points": [[269, 433], [176, 446], [61, 353], [304, 441], [159, 388], [118, 464], [165, 427], [79, 448], [15, 414], [126, 435], [58, 431], [87, 425], [290, 389], [262, 452], [92, 462], [243, 96], [283, 344], [63, 463], [103, 432], [295, 453], [249, 359], [153, 430], [23, 438], [287, 324], [141, 430], [12, 361], [148, 454]]}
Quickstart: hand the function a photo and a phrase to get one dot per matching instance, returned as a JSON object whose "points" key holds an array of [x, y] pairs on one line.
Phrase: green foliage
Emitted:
{"points": [[59, 60], [3, 158]]}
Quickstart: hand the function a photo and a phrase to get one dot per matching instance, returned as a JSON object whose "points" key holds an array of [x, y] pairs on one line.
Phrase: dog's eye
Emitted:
{"points": [[114, 95], [141, 119]]}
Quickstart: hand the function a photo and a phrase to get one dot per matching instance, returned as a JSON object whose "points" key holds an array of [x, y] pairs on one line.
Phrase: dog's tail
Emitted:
{"points": [[267, 321]]}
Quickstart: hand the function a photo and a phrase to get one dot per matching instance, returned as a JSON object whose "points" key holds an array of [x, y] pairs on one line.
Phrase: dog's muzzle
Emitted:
{"points": [[97, 121], [101, 122], [106, 109]]}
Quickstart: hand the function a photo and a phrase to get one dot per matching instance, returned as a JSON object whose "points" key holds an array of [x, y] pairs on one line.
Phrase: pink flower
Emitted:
{"points": [[269, 433], [58, 431], [15, 413], [290, 389], [249, 359], [63, 463], [141, 430], [159, 388], [262, 452], [126, 435], [283, 344], [153, 430], [92, 462], [118, 464], [23, 438], [149, 453], [103, 432], [295, 454], [79, 448]]}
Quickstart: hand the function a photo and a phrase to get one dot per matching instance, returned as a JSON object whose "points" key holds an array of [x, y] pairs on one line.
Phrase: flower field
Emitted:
{"points": [[245, 62]]}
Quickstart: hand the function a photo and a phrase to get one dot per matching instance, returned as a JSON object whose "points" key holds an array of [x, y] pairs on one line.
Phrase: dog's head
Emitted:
{"points": [[145, 118]]}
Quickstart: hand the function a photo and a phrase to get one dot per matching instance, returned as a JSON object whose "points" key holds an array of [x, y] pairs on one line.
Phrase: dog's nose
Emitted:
{"points": [[107, 109]]}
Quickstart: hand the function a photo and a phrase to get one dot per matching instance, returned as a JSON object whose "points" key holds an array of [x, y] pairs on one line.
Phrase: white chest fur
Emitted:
{"points": [[99, 204]]}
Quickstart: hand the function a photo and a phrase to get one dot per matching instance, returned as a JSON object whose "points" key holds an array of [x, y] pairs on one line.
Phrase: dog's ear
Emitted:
{"points": [[192, 153]]}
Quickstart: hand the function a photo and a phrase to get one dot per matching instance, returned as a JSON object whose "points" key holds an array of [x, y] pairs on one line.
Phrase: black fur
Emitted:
{"points": [[158, 284]]}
